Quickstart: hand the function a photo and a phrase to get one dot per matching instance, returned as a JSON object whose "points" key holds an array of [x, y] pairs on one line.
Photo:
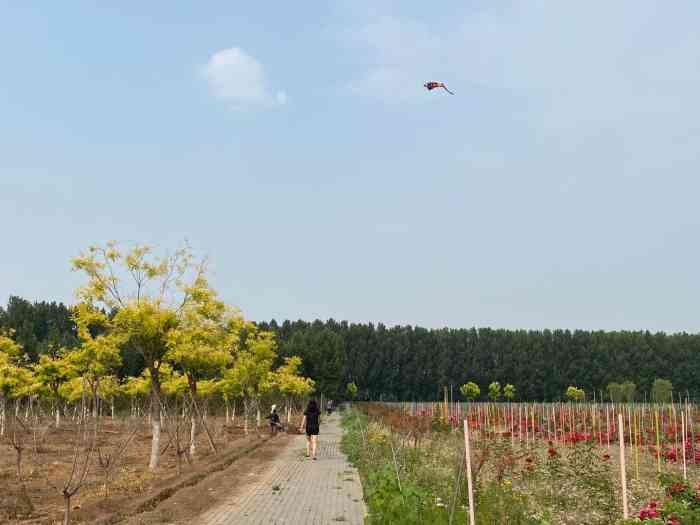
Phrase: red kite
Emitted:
{"points": [[434, 85]]}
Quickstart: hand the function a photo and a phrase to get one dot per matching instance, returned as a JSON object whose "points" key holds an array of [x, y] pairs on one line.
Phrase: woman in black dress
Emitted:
{"points": [[311, 422]]}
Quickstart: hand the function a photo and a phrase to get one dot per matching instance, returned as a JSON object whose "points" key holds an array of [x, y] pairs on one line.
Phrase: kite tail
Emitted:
{"points": [[450, 92]]}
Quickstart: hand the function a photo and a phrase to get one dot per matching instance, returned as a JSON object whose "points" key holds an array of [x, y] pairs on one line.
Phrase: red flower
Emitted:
{"points": [[552, 452], [649, 511], [606, 457]]}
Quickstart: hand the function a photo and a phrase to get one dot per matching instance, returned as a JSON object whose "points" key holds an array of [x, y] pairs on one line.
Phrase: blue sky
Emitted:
{"points": [[293, 144]]}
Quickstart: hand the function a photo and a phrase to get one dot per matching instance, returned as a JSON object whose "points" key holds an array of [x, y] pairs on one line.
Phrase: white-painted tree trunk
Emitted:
{"points": [[193, 433], [245, 417], [155, 417], [2, 415]]}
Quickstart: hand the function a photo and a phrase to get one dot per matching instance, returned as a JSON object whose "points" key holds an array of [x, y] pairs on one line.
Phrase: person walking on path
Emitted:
{"points": [[274, 420], [311, 423]]}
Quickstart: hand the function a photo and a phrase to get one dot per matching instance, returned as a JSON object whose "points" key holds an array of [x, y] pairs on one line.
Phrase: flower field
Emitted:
{"points": [[531, 463]]}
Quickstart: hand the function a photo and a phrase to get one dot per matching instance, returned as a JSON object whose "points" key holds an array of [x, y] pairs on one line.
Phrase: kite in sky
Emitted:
{"points": [[433, 85]]}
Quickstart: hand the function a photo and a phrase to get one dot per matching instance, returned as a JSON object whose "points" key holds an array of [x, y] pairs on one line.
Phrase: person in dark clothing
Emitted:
{"points": [[311, 422], [274, 418], [329, 407]]}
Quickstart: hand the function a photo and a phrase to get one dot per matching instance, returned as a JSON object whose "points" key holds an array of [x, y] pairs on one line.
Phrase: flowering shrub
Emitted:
{"points": [[681, 508]]}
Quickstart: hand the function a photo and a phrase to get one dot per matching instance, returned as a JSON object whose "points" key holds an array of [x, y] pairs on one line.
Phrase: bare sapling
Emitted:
{"points": [[17, 434], [175, 421], [85, 445], [108, 458]]}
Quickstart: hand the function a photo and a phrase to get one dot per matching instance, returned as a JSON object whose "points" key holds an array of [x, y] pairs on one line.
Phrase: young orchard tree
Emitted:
{"points": [[509, 392], [575, 394], [615, 392], [15, 380], [198, 345], [470, 390], [250, 376], [662, 391], [148, 294], [495, 391], [290, 383], [136, 389], [352, 390], [9, 355], [109, 391], [51, 372], [98, 355], [629, 391]]}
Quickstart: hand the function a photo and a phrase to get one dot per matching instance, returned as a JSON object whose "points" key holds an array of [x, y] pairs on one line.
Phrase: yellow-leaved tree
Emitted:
{"points": [[148, 295], [251, 374], [98, 354], [290, 384], [51, 372], [15, 380], [197, 346]]}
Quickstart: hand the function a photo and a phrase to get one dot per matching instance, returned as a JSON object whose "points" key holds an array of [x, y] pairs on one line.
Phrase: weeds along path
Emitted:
{"points": [[295, 490]]}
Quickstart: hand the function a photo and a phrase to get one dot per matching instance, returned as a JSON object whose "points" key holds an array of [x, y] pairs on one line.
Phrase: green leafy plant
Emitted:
{"points": [[470, 390], [495, 391]]}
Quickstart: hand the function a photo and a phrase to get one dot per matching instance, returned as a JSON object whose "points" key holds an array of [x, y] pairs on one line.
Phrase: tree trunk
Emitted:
{"points": [[245, 416], [155, 419], [2, 414], [66, 509], [95, 387], [19, 463], [193, 433], [193, 394]]}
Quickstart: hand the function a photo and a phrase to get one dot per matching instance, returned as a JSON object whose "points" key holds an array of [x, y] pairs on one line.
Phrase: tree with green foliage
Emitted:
{"points": [[495, 391], [98, 355], [250, 376], [351, 389], [52, 372], [662, 391], [470, 390], [575, 394], [614, 391], [509, 392], [629, 391], [15, 380], [148, 294], [197, 346]]}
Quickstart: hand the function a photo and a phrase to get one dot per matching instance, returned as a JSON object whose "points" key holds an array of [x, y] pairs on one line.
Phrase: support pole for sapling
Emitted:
{"points": [[623, 473], [470, 488], [685, 473]]}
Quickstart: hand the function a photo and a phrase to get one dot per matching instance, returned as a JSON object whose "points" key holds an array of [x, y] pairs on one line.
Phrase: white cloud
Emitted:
{"points": [[235, 76]]}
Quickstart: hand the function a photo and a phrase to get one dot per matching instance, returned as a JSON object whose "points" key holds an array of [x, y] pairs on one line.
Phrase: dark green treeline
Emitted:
{"points": [[413, 363]]}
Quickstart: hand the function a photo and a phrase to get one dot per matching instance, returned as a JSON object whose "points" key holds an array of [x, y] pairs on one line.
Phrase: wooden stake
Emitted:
{"points": [[623, 473], [470, 488], [685, 473]]}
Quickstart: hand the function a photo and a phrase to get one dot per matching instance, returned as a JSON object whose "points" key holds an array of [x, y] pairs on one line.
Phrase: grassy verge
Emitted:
{"points": [[411, 477], [407, 485]]}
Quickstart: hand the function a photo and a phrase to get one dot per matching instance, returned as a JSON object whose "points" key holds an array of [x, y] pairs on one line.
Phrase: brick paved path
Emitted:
{"points": [[295, 490]]}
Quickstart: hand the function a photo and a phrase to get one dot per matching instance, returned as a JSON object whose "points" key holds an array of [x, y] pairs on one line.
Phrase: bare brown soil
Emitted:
{"points": [[134, 494]]}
